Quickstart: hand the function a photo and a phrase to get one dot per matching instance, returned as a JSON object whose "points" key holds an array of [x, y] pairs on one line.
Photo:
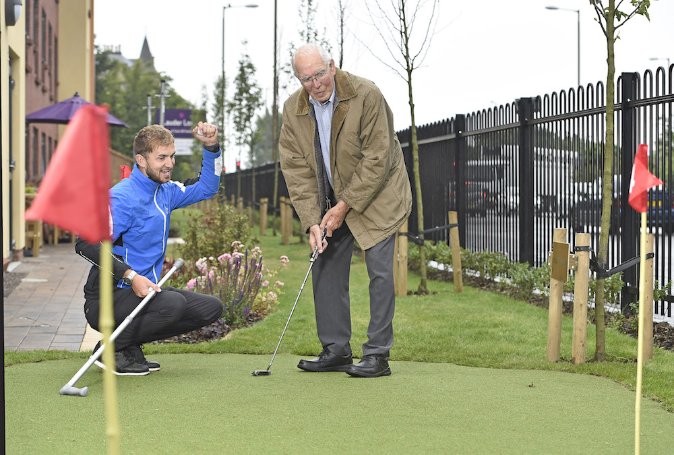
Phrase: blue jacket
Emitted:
{"points": [[141, 214]]}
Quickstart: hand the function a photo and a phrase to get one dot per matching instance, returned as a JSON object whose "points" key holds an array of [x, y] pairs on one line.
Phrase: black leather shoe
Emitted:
{"points": [[370, 366], [326, 361]]}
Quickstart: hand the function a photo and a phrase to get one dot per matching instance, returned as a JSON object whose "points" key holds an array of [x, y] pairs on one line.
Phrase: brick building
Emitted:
{"points": [[42, 66]]}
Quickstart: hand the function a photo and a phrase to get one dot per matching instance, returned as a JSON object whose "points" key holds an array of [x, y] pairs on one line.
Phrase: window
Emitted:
{"points": [[34, 158], [36, 30], [50, 49], [56, 62], [43, 38], [43, 156], [35, 11]]}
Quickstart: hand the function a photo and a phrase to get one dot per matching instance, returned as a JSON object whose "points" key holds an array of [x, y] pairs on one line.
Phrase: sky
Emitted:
{"points": [[482, 53]]}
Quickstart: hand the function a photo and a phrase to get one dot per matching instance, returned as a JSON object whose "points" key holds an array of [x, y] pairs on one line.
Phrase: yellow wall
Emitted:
{"points": [[12, 49], [76, 51]]}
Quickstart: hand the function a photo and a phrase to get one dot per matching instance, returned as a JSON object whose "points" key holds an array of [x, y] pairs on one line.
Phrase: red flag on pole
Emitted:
{"points": [[74, 191], [642, 180]]}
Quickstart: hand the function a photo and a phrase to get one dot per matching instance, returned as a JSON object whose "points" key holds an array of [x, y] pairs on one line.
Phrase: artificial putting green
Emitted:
{"points": [[209, 403]]}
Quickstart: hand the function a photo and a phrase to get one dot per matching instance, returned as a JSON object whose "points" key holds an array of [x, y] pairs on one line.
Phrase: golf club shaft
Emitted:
{"points": [[297, 299], [95, 356]]}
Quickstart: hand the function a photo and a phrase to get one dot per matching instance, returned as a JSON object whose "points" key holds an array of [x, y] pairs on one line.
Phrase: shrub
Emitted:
{"points": [[212, 231], [232, 278]]}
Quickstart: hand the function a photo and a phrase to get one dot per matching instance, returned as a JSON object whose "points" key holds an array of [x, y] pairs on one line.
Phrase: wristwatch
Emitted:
{"points": [[129, 278]]}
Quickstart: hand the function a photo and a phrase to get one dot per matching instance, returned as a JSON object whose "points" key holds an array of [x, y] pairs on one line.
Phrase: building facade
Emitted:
{"points": [[12, 126], [50, 52]]}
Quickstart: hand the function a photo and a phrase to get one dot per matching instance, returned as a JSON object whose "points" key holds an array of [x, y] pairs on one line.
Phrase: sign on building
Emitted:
{"points": [[179, 122]]}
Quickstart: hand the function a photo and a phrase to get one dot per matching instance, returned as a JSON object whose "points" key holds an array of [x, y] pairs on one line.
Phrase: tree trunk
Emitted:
{"points": [[274, 127], [423, 288], [404, 32], [607, 183]]}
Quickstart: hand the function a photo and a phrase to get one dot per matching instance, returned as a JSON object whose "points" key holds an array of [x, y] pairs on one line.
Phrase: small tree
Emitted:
{"points": [[400, 20], [263, 152], [124, 87], [247, 100], [341, 18], [218, 109], [308, 33], [610, 19]]}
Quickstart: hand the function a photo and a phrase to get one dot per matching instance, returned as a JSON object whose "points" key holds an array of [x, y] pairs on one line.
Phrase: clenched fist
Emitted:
{"points": [[206, 133]]}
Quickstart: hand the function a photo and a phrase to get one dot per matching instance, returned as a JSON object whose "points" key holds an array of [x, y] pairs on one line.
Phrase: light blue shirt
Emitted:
{"points": [[323, 113]]}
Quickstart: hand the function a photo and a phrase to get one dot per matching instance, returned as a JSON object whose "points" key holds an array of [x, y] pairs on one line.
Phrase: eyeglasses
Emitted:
{"points": [[316, 77]]}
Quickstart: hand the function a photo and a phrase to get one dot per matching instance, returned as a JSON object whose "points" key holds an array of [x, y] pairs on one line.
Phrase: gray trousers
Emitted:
{"points": [[330, 277]]}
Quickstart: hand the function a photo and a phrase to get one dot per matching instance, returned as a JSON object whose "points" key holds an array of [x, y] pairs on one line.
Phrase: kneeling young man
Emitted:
{"points": [[140, 209]]}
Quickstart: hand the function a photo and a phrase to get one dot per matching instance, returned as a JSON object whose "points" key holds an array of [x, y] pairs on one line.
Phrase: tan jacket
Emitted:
{"points": [[366, 160]]}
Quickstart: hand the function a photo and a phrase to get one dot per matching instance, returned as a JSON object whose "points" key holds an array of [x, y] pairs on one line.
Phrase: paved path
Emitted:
{"points": [[45, 311]]}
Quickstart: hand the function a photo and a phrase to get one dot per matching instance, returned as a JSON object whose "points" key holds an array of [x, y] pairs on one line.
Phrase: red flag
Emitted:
{"points": [[124, 171], [74, 191], [642, 180]]}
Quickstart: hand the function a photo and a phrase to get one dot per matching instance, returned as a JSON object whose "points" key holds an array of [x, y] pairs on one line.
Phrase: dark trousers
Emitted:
{"points": [[169, 313], [330, 278]]}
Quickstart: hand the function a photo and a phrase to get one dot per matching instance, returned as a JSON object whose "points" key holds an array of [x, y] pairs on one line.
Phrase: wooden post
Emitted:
{"points": [[232, 199], [580, 297], [455, 245], [239, 205], [400, 262], [283, 209], [56, 235], [648, 302], [289, 219], [555, 303], [34, 236], [264, 203]]}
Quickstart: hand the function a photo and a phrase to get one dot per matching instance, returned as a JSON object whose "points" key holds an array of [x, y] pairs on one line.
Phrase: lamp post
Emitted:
{"points": [[577, 11], [222, 75], [162, 102]]}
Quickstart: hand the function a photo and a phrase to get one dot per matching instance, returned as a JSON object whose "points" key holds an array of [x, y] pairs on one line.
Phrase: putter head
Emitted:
{"points": [[261, 373], [74, 391]]}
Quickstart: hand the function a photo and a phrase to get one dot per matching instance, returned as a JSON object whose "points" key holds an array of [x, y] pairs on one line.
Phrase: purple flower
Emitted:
{"points": [[191, 284], [226, 257], [201, 265]]}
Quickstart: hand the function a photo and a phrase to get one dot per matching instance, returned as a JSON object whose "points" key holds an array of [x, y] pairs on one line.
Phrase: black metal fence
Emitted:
{"points": [[515, 172]]}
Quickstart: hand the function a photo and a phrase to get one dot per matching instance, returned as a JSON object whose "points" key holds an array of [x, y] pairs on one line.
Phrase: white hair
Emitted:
{"points": [[310, 48]]}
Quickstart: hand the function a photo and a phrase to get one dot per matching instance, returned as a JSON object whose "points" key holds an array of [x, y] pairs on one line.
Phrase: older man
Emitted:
{"points": [[346, 176]]}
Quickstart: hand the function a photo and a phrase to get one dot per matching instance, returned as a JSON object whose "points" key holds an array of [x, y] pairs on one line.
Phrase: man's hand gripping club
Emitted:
{"points": [[332, 220]]}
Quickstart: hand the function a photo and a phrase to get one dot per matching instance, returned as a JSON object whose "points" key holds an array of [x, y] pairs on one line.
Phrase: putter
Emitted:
{"points": [[69, 388], [312, 259]]}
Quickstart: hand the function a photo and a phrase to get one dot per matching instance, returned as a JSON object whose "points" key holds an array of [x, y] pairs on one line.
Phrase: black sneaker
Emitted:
{"points": [[125, 365], [139, 357]]}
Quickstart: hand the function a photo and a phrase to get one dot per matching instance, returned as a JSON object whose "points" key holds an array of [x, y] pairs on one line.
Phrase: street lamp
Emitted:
{"points": [[663, 59], [577, 11], [224, 8]]}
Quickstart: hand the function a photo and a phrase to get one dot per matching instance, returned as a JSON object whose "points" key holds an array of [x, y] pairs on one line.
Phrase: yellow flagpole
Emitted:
{"points": [[640, 343], [106, 323]]}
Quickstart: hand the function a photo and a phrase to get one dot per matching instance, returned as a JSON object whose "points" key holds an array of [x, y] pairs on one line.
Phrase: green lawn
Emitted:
{"points": [[469, 376]]}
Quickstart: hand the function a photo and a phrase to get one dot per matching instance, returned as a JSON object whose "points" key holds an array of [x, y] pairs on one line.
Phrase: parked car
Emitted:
{"points": [[661, 209], [476, 198], [587, 212]]}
